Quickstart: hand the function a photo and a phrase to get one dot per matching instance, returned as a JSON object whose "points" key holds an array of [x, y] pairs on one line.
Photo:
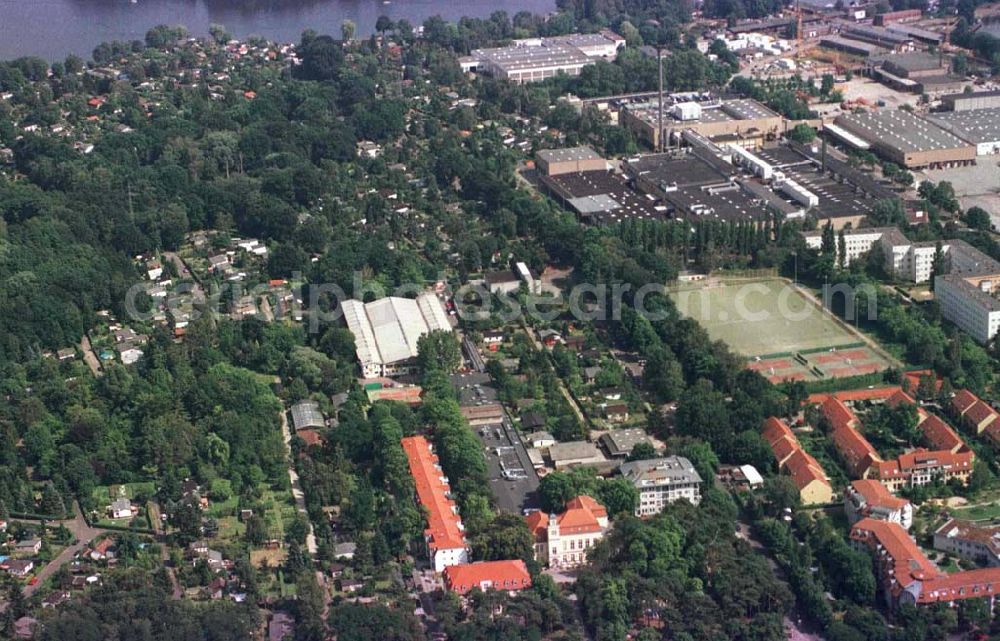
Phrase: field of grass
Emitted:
{"points": [[761, 317], [978, 512]]}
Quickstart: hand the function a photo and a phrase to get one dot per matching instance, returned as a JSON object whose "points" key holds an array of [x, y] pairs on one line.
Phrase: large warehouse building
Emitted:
{"points": [[552, 162], [979, 127], [968, 101], [386, 331], [907, 139], [536, 59], [710, 118]]}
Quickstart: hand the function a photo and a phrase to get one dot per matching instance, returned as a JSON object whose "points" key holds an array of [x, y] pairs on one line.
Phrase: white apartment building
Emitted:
{"points": [[857, 242], [968, 540], [661, 481], [970, 303], [967, 293]]}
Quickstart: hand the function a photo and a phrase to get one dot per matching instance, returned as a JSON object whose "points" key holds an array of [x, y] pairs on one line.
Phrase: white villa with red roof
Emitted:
{"points": [[562, 540]]}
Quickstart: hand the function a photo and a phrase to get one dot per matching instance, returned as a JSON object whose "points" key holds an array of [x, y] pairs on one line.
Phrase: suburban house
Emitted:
{"points": [[662, 481], [532, 420], [804, 470], [121, 508], [969, 540], [492, 339], [19, 568], [539, 440], [28, 547], [487, 575], [870, 499], [562, 540], [616, 412], [908, 577]]}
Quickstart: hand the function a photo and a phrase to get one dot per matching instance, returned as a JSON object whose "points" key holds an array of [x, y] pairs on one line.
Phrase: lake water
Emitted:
{"points": [[54, 28]]}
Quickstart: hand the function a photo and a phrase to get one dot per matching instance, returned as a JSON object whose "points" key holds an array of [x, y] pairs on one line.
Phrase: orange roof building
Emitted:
{"points": [[914, 377], [445, 533], [937, 433], [940, 436], [962, 401], [908, 577], [487, 575], [868, 498], [562, 540], [804, 470]]}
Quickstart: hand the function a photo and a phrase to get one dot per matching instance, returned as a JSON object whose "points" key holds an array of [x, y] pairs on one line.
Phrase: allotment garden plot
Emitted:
{"points": [[784, 335]]}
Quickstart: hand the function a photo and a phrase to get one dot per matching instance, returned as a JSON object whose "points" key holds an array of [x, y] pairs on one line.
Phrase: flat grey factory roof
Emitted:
{"points": [[852, 44], [916, 61], [602, 195], [519, 58], [568, 154], [649, 112], [975, 125], [664, 168], [971, 96], [747, 109], [727, 202], [901, 130], [836, 199]]}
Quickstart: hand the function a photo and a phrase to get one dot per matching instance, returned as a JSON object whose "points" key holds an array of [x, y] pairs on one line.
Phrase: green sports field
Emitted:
{"points": [[761, 317]]}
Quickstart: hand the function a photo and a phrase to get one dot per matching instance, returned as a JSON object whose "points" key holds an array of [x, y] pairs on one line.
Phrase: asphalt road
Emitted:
{"points": [[83, 534]]}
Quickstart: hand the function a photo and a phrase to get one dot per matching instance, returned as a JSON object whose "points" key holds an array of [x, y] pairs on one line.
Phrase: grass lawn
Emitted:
{"points": [[761, 317], [278, 512], [978, 512], [102, 493]]}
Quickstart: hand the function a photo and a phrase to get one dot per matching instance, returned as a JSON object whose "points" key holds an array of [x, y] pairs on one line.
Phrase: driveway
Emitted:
{"points": [[297, 493]]}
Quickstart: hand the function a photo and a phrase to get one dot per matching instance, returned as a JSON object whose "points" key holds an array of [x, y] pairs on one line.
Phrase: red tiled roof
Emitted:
{"points": [[804, 469], [938, 458], [980, 413], [904, 564], [852, 396], [785, 447], [837, 413], [908, 563], [914, 379], [963, 400], [939, 434], [854, 448], [877, 495], [799, 464], [538, 524], [898, 397], [444, 527], [775, 429], [311, 437], [581, 516], [498, 575]]}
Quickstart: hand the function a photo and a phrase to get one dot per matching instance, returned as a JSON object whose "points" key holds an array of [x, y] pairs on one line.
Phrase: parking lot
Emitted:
{"points": [[975, 186], [513, 480]]}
